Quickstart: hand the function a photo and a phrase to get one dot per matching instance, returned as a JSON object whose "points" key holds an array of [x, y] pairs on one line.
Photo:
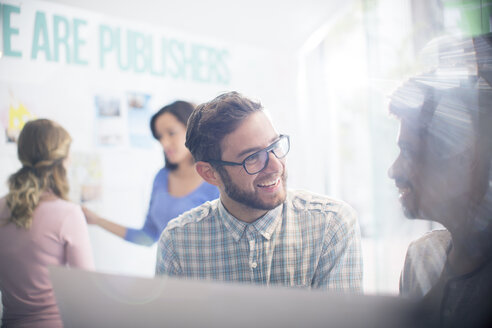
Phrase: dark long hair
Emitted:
{"points": [[182, 111], [212, 121]]}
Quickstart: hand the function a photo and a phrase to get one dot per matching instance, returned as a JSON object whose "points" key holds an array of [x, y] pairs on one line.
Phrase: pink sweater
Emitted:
{"points": [[58, 236]]}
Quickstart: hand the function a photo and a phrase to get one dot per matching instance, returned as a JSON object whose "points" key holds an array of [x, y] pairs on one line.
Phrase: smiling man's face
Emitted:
{"points": [[262, 191], [431, 186]]}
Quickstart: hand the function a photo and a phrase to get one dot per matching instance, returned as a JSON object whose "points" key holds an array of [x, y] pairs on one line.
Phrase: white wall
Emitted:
{"points": [[65, 92]]}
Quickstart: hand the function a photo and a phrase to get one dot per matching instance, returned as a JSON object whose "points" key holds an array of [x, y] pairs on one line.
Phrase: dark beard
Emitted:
{"points": [[249, 199]]}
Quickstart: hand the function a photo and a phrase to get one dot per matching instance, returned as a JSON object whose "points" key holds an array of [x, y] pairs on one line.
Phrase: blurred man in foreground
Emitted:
{"points": [[443, 175]]}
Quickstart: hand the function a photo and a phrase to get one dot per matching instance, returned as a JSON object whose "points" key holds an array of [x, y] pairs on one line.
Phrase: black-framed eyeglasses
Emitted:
{"points": [[257, 161]]}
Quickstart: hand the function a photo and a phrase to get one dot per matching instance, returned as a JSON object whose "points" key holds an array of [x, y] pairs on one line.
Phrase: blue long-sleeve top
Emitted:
{"points": [[163, 207]]}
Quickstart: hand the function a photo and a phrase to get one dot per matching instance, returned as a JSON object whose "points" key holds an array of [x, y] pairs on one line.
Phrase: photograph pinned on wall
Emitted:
{"points": [[110, 126], [85, 176], [139, 114], [14, 116]]}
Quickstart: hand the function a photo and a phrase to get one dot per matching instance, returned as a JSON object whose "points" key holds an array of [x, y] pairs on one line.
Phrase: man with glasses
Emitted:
{"points": [[257, 231]]}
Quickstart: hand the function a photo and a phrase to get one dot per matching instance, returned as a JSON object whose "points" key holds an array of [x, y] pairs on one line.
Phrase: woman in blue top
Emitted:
{"points": [[177, 187]]}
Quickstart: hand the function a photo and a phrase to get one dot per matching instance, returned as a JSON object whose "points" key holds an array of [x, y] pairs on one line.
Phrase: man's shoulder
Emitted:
{"points": [[195, 216], [424, 263], [300, 200], [430, 244], [314, 212]]}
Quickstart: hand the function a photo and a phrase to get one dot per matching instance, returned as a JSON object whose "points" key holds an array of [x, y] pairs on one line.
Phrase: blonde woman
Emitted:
{"points": [[39, 227]]}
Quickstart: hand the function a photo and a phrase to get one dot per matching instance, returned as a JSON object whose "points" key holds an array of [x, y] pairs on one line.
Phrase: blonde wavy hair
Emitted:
{"points": [[42, 147]]}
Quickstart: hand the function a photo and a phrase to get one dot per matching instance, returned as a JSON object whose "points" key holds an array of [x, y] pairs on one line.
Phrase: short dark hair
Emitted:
{"points": [[210, 122], [455, 100], [182, 111], [460, 93]]}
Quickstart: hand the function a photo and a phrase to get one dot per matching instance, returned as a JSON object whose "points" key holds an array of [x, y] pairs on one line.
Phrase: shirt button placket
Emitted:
{"points": [[252, 253]]}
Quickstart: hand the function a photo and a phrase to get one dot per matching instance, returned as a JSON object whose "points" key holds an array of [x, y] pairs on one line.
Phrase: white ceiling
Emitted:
{"points": [[272, 24]]}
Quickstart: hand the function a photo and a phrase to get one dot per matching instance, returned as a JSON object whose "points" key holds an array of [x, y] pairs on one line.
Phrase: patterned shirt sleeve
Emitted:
{"points": [[340, 264], [167, 262]]}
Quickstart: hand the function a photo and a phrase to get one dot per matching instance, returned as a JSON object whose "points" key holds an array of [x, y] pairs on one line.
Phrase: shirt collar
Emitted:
{"points": [[265, 225]]}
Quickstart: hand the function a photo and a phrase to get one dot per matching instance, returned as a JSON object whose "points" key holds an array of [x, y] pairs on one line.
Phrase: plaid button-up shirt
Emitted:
{"points": [[308, 241]]}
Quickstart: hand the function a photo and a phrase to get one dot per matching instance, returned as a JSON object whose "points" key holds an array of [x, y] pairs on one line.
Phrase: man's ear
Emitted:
{"points": [[207, 172]]}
